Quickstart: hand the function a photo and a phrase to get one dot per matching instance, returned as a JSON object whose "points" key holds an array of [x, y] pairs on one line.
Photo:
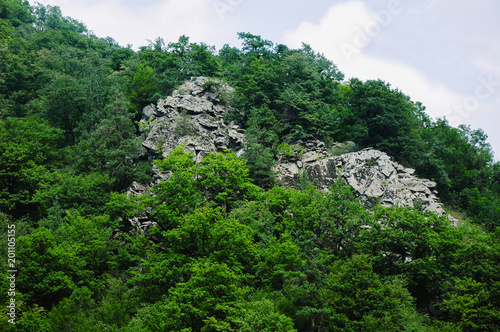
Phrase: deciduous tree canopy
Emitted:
{"points": [[228, 249]]}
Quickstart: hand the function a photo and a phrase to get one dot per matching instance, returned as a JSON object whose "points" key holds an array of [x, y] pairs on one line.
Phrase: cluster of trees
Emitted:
{"points": [[225, 255], [230, 248]]}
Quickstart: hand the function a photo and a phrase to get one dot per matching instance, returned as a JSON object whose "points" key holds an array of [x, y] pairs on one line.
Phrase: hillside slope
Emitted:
{"points": [[237, 240]]}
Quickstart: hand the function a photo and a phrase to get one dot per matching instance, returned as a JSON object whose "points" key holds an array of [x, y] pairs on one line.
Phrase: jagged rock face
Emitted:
{"points": [[192, 116], [371, 173]]}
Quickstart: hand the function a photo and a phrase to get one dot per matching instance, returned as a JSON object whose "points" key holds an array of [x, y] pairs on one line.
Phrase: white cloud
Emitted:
{"points": [[343, 34], [136, 24], [488, 66]]}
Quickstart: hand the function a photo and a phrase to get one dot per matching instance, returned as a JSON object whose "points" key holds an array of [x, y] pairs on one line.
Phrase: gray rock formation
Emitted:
{"points": [[371, 173], [193, 116]]}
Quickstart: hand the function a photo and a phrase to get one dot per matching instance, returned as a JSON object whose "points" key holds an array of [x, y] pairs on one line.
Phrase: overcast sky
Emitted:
{"points": [[443, 53]]}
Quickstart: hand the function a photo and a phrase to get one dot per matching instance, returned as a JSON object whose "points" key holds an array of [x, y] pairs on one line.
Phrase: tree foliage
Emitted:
{"points": [[226, 248]]}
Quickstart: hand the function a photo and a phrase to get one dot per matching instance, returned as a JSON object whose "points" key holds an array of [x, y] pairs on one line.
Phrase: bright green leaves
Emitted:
{"points": [[192, 208], [86, 192], [89, 239], [55, 263], [179, 194], [360, 301], [162, 69], [209, 234], [351, 297], [27, 148], [405, 241], [260, 315], [227, 250], [472, 306], [201, 301], [221, 179], [177, 161], [224, 179], [329, 221], [298, 86], [48, 270], [213, 299], [281, 95], [34, 138], [280, 262]]}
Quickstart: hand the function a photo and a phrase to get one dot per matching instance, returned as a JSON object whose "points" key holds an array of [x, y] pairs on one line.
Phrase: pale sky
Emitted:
{"points": [[443, 53]]}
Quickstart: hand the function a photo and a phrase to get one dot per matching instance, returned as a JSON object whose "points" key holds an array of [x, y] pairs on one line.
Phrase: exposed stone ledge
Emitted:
{"points": [[371, 173], [193, 116]]}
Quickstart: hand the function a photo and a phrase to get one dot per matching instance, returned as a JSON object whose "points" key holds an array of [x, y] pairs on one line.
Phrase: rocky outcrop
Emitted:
{"points": [[192, 116], [371, 173]]}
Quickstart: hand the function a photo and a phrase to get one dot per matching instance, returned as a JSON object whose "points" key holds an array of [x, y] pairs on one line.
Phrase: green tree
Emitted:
{"points": [[405, 241], [28, 148], [304, 106], [179, 194], [472, 306], [87, 193], [458, 159], [261, 137], [326, 221], [360, 301], [111, 147], [162, 68], [48, 270], [483, 206], [209, 234], [17, 12], [224, 180], [376, 115], [200, 304], [280, 262], [259, 315]]}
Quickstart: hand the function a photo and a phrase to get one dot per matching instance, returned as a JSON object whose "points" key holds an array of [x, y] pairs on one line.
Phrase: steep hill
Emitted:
{"points": [[233, 168]]}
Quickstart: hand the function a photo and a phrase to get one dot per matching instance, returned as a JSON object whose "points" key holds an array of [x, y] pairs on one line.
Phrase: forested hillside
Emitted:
{"points": [[232, 249]]}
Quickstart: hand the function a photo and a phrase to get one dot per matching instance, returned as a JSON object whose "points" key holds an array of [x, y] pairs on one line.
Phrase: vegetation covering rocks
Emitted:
{"points": [[371, 173]]}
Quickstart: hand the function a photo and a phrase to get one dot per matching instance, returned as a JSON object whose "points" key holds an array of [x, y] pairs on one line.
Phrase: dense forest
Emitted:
{"points": [[233, 250]]}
